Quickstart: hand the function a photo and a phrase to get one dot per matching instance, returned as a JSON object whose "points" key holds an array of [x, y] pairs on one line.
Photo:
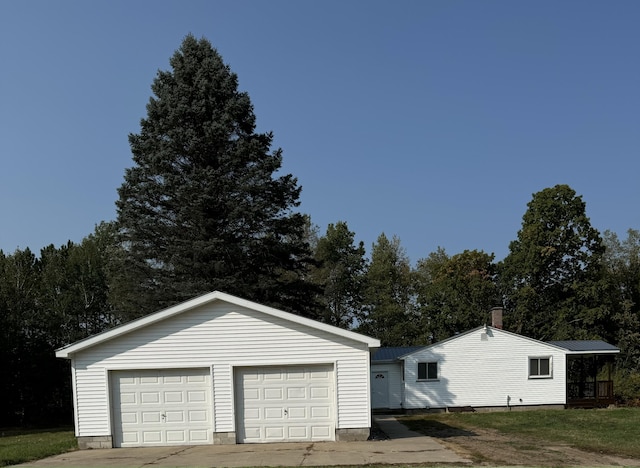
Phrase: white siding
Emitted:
{"points": [[352, 376], [478, 372], [396, 386], [222, 335]]}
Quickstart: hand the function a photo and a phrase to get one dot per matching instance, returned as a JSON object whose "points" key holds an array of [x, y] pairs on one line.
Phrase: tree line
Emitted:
{"points": [[206, 207]]}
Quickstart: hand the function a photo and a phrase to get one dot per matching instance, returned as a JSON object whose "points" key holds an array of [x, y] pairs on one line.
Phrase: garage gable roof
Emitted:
{"points": [[67, 351]]}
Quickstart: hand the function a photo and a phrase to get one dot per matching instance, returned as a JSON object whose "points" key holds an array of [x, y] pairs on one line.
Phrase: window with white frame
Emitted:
{"points": [[428, 370], [540, 367]]}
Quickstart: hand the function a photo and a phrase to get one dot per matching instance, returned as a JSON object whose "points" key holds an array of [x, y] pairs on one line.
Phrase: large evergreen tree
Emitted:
{"points": [[389, 312], [340, 275], [203, 208], [552, 277]]}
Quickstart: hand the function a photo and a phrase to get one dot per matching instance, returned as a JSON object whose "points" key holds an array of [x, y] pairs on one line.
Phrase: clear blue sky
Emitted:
{"points": [[434, 121]]}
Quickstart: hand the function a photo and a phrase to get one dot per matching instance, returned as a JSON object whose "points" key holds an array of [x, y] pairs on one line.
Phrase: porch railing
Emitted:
{"points": [[598, 392]]}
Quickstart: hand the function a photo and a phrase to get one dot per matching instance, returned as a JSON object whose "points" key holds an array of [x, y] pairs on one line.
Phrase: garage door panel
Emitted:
{"points": [[294, 375], [297, 413], [273, 413], [149, 398], [252, 394], [253, 432], [173, 397], [197, 379], [151, 437], [296, 393], [176, 437], [321, 432], [319, 393], [273, 375], [252, 414], [199, 436], [321, 375], [130, 438], [293, 403], [274, 433], [320, 412], [152, 379], [198, 416], [174, 417], [129, 418], [147, 413], [197, 397], [149, 417], [128, 398], [298, 433], [274, 393]]}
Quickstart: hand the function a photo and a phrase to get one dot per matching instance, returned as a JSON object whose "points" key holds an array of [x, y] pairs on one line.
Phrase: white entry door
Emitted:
{"points": [[161, 407], [285, 404], [380, 389]]}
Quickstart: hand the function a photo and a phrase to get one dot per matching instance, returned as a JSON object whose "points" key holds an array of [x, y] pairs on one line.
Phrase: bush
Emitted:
{"points": [[626, 387]]}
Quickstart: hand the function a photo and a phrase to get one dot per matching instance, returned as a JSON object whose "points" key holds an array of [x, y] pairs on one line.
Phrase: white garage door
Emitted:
{"points": [[285, 404], [161, 407]]}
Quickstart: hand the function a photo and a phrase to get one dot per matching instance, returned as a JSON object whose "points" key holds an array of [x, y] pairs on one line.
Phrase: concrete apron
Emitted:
{"points": [[406, 448]]}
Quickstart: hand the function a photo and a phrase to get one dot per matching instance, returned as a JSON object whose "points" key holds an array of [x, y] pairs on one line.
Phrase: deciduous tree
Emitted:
{"points": [[551, 279], [622, 263], [455, 293]]}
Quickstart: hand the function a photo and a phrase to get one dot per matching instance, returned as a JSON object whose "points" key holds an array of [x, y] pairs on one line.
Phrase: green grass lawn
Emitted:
{"points": [[612, 431], [20, 446]]}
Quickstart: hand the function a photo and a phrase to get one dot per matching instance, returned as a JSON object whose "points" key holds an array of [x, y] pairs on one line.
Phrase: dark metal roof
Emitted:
{"points": [[390, 354], [585, 345]]}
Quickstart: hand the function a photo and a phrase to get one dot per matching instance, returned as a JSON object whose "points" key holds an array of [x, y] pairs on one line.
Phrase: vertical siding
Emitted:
{"points": [[491, 372], [394, 372], [222, 335]]}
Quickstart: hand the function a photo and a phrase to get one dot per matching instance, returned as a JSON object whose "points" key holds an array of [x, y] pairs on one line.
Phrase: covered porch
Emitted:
{"points": [[590, 366]]}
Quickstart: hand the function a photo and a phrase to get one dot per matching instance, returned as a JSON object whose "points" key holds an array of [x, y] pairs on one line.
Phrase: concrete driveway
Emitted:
{"points": [[403, 447]]}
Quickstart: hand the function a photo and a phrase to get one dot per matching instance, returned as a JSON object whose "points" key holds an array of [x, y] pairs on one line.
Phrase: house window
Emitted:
{"points": [[427, 371], [540, 367]]}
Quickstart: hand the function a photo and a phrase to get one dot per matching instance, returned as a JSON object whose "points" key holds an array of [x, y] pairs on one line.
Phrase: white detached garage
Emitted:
{"points": [[220, 369]]}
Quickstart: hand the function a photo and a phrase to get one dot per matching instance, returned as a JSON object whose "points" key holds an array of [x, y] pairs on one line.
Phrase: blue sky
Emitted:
{"points": [[434, 121]]}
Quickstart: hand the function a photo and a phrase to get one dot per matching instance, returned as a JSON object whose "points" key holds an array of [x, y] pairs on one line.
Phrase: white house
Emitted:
{"points": [[491, 368], [219, 369]]}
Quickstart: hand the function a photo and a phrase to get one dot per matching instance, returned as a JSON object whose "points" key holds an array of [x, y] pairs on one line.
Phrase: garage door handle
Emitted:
{"points": [[286, 412]]}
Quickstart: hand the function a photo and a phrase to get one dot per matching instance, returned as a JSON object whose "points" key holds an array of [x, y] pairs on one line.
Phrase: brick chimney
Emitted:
{"points": [[496, 317]]}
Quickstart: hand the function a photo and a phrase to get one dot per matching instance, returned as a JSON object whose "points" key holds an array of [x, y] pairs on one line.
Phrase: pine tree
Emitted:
{"points": [[203, 209], [340, 274], [389, 295]]}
